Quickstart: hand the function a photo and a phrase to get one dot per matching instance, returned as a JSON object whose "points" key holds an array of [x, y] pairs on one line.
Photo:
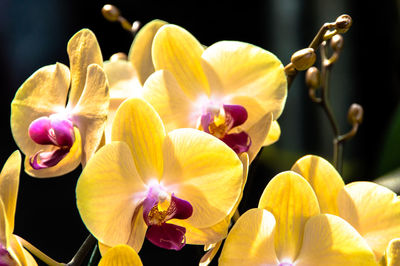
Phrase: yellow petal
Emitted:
{"points": [[176, 50], [140, 51], [19, 253], [273, 134], [66, 165], [392, 255], [90, 113], [374, 211], [138, 124], [244, 69], [42, 94], [9, 181], [251, 240], [4, 232], [163, 92], [292, 201], [120, 255], [323, 178], [123, 81], [210, 254], [83, 50], [109, 192], [203, 170], [330, 240], [257, 124]]}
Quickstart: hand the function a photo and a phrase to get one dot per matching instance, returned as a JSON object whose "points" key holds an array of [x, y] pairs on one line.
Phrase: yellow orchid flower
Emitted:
{"points": [[232, 90], [126, 77], [373, 210], [288, 229], [57, 136], [145, 180], [11, 250], [392, 253], [120, 255]]}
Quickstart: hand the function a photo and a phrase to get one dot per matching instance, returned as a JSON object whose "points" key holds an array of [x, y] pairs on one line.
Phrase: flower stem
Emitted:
{"points": [[39, 254], [83, 251]]}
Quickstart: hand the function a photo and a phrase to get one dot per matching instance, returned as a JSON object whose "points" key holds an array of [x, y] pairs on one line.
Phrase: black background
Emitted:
{"points": [[35, 33]]}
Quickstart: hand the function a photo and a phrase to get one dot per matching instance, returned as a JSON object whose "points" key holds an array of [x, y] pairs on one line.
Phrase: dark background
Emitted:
{"points": [[35, 33]]}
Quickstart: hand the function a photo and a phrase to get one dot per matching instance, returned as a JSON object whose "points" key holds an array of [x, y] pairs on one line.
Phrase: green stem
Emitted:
{"points": [[39, 254], [93, 257], [83, 251]]}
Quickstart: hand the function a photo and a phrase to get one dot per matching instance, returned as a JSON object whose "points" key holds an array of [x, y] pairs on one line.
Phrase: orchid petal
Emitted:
{"points": [[4, 231], [90, 112], [244, 69], [168, 236], [138, 124], [120, 255], [68, 163], [291, 200], [140, 51], [109, 192], [210, 254], [251, 240], [273, 134], [83, 50], [9, 181], [323, 178], [373, 210], [176, 50], [331, 240], [42, 94], [257, 124], [163, 92], [124, 83], [204, 171], [139, 228], [392, 254]]}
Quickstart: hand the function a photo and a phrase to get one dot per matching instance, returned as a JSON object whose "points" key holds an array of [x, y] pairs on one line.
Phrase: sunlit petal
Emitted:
{"points": [[138, 233], [42, 94], [204, 171], [176, 50], [273, 134], [292, 201], [373, 210], [244, 69], [120, 255], [331, 240], [138, 124], [140, 51], [90, 113], [251, 240], [109, 192], [163, 92], [83, 50], [66, 165], [323, 178], [210, 254], [9, 181]]}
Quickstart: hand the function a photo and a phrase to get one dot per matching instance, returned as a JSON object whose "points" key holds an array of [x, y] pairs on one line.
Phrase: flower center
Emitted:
{"points": [[224, 123], [56, 130], [159, 207], [5, 257]]}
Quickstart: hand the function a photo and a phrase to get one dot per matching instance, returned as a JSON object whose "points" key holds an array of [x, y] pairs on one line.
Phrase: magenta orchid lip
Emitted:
{"points": [[221, 122], [56, 131]]}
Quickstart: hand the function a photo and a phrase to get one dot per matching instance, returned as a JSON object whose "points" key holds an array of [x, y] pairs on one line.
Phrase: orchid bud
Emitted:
{"points": [[313, 77], [355, 114], [110, 12], [337, 42], [118, 56], [343, 23], [304, 58]]}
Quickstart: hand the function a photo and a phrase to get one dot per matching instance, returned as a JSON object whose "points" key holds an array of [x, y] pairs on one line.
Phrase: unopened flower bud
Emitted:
{"points": [[135, 26], [313, 77], [110, 12], [337, 42], [304, 58], [355, 114], [343, 23], [118, 56]]}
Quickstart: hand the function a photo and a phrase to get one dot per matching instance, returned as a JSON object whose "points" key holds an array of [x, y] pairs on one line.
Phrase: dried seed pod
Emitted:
{"points": [[304, 58]]}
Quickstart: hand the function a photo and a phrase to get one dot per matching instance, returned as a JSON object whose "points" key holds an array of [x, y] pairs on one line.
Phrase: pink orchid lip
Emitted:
{"points": [[160, 233], [54, 130], [5, 257], [235, 115]]}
